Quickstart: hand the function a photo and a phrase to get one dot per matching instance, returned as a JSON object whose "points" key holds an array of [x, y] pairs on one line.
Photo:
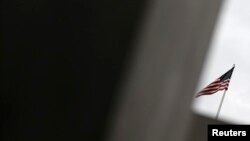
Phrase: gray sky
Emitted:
{"points": [[230, 45]]}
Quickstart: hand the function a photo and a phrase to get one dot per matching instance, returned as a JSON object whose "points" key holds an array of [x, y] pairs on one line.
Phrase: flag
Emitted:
{"points": [[219, 84]]}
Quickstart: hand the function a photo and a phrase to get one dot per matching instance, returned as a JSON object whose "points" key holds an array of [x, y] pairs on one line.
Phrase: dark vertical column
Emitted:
{"points": [[60, 64]]}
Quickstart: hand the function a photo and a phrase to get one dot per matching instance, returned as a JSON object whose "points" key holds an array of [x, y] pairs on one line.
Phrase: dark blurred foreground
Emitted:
{"points": [[101, 70]]}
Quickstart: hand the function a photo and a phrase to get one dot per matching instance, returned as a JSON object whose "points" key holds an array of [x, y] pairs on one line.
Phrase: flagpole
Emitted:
{"points": [[218, 112]]}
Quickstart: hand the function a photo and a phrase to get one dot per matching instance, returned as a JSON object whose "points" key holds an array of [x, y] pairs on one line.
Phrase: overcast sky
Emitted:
{"points": [[230, 45]]}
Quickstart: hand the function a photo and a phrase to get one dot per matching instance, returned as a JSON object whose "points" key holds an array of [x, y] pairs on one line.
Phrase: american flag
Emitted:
{"points": [[219, 84]]}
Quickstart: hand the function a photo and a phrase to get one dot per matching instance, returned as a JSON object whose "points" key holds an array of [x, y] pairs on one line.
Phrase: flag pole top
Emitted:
{"points": [[233, 65]]}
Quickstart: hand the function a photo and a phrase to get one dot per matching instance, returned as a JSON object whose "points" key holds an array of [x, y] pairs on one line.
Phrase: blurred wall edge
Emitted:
{"points": [[158, 89]]}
